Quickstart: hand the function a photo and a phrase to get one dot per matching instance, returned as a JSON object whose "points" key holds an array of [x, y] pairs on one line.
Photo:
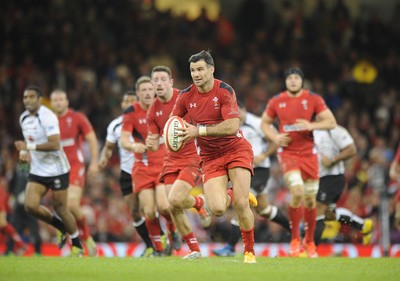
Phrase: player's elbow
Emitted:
{"points": [[331, 124], [352, 150]]}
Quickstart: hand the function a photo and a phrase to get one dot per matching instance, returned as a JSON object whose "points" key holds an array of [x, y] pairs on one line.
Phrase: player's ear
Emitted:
{"points": [[212, 69]]}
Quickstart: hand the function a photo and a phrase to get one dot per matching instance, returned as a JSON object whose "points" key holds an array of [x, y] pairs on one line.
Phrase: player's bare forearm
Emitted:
{"points": [[345, 154], [269, 133], [394, 171], [325, 121], [272, 148], [52, 144], [397, 215], [227, 127], [105, 156], [125, 141], [93, 147], [152, 141]]}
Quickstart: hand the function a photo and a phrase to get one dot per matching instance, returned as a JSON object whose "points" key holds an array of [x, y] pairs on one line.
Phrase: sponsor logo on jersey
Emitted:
{"points": [[292, 128], [69, 122], [304, 103], [215, 100]]}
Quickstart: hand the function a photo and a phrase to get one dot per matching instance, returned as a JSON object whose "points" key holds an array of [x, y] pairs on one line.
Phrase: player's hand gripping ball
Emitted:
{"points": [[173, 142]]}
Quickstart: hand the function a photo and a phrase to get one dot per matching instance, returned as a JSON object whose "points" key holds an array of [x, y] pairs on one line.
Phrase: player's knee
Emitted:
{"points": [[174, 202], [149, 214], [30, 208], [60, 208], [297, 194], [241, 204], [3, 220], [218, 211], [164, 210], [136, 215], [310, 201]]}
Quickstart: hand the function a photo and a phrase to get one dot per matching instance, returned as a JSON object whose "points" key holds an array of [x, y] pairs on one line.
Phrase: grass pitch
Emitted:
{"points": [[206, 269]]}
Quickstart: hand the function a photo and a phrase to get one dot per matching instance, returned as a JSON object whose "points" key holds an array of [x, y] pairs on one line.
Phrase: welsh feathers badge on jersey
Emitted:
{"points": [[173, 142]]}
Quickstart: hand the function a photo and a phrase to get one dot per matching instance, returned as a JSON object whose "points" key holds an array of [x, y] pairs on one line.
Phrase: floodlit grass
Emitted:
{"points": [[206, 269]]}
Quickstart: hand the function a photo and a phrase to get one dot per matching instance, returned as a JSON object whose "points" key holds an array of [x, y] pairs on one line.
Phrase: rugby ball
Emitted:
{"points": [[173, 142]]}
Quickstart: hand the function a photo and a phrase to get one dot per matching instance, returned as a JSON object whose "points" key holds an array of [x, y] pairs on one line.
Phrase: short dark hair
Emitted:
{"points": [[36, 89], [162, 68], [293, 70], [203, 55]]}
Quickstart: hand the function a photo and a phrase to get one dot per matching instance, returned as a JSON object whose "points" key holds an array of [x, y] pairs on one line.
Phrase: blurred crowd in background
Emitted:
{"points": [[95, 50]]}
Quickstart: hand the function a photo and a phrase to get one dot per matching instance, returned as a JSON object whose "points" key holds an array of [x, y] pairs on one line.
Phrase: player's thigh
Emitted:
{"points": [[240, 178], [75, 193], [147, 201], [60, 198], [132, 200], [215, 192], [179, 191], [161, 198], [263, 202], [3, 218], [321, 208], [34, 193], [294, 181]]}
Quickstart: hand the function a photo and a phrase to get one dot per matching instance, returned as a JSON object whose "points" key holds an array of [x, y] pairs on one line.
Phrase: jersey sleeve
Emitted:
{"points": [[342, 137], [270, 109], [179, 107], [127, 122], [152, 126], [50, 125], [320, 104], [229, 106], [111, 136], [84, 124]]}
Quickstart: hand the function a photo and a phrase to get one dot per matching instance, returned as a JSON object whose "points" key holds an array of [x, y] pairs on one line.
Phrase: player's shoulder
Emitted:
{"points": [[130, 109], [23, 116], [76, 114], [186, 90], [312, 94], [225, 86], [45, 112], [340, 130], [115, 123], [278, 96]]}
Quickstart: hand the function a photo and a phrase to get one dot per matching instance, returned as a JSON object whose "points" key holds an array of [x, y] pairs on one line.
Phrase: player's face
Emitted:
{"points": [[127, 101], [146, 93], [59, 102], [201, 73], [162, 84], [294, 83], [31, 101]]}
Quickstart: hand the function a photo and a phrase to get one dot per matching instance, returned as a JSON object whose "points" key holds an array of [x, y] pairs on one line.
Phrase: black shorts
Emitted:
{"points": [[260, 179], [54, 183], [125, 183], [330, 188]]}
